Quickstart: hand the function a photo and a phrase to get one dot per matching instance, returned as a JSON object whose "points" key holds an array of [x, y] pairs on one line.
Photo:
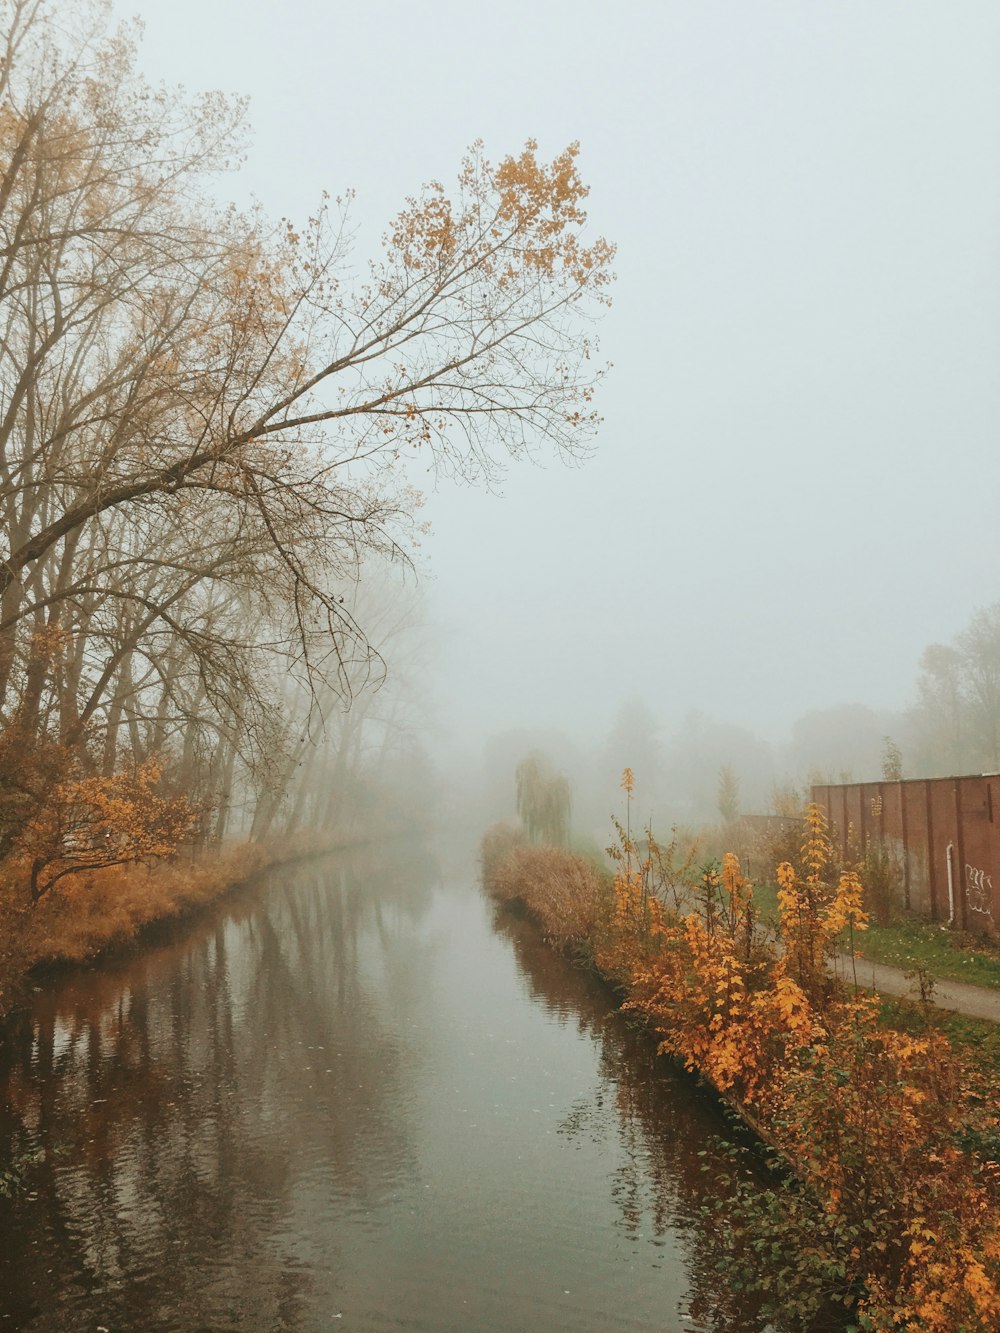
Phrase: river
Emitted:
{"points": [[352, 1096]]}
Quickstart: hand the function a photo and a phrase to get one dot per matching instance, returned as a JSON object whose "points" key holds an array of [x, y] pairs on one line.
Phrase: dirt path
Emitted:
{"points": [[975, 1001]]}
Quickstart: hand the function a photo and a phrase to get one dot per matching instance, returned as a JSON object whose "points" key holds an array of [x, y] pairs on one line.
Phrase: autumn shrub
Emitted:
{"points": [[773, 840], [90, 822], [884, 1203], [671, 871], [713, 991], [30, 769], [626, 928], [651, 884]]}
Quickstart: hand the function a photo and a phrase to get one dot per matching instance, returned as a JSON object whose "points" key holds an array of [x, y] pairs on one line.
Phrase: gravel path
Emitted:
{"points": [[976, 1001]]}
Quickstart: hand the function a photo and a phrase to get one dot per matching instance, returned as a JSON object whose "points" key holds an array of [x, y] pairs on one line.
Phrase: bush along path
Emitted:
{"points": [[886, 1143]]}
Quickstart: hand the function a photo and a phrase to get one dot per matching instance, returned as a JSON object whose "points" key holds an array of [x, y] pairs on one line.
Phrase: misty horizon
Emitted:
{"points": [[784, 505]]}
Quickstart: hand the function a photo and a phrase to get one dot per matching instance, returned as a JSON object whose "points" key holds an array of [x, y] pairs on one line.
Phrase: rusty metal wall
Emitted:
{"points": [[924, 823]]}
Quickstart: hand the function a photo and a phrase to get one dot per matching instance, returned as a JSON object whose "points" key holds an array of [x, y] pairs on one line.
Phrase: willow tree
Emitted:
{"points": [[543, 801], [172, 367]]}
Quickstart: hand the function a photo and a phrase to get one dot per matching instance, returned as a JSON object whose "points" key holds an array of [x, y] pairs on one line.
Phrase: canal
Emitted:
{"points": [[354, 1096]]}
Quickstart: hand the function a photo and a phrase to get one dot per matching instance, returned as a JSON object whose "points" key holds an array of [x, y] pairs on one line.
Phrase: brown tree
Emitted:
{"points": [[205, 419]]}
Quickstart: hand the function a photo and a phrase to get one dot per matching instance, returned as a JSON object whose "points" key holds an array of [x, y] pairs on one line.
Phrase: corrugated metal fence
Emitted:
{"points": [[942, 834]]}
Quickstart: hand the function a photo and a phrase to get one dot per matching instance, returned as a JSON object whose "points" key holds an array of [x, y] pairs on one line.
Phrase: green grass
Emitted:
{"points": [[911, 944], [765, 898], [941, 952], [975, 1038]]}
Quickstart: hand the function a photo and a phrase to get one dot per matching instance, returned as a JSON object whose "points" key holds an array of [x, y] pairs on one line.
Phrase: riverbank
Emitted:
{"points": [[111, 909], [892, 1200]]}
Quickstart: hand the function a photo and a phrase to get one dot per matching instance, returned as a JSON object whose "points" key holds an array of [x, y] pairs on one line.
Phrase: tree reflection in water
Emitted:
{"points": [[191, 1101]]}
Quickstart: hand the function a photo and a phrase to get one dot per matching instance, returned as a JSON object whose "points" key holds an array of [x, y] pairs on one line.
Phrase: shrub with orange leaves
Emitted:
{"points": [[717, 998], [812, 911], [90, 822], [636, 923]]}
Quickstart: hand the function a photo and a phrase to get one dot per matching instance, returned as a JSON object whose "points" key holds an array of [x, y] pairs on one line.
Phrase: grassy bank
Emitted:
{"points": [[912, 944], [101, 910], [889, 1134]]}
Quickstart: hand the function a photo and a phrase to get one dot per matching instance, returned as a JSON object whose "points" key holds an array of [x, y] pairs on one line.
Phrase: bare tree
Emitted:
{"points": [[979, 645], [205, 419], [956, 720]]}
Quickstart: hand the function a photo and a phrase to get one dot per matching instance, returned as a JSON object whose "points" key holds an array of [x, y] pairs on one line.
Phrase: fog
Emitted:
{"points": [[794, 486]]}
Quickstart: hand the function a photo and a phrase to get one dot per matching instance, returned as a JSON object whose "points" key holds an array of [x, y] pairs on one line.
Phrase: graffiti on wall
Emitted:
{"points": [[979, 890]]}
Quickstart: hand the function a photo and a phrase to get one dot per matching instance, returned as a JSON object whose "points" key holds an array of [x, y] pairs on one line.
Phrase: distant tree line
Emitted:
{"points": [[703, 770]]}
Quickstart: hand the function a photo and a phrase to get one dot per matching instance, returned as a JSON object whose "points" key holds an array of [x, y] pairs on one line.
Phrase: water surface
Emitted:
{"points": [[353, 1097]]}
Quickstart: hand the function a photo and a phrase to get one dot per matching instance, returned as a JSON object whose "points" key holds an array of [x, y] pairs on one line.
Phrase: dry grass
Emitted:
{"points": [[112, 906], [497, 844], [89, 913], [562, 891]]}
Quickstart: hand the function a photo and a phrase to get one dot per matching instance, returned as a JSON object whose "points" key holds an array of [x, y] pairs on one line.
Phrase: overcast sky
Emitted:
{"points": [[796, 484]]}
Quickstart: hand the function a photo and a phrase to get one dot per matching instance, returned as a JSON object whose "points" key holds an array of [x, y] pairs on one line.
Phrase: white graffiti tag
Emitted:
{"points": [[979, 890]]}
